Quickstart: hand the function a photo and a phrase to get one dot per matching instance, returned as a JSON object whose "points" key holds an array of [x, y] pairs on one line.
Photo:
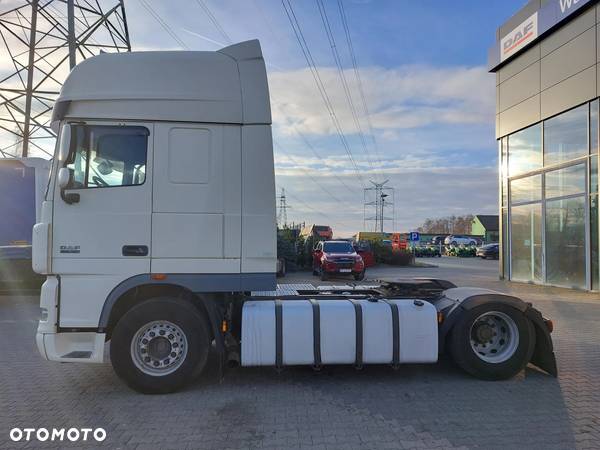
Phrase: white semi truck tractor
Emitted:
{"points": [[157, 235]]}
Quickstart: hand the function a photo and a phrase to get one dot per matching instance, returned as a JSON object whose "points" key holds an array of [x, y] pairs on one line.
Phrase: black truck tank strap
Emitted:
{"points": [[359, 333], [395, 332], [316, 331], [278, 334]]}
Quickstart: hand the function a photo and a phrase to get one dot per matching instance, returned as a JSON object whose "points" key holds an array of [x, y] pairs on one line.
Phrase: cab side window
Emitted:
{"points": [[108, 156]]}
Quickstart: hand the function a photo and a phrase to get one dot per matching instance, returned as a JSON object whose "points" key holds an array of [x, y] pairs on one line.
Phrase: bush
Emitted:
{"points": [[461, 251], [426, 252]]}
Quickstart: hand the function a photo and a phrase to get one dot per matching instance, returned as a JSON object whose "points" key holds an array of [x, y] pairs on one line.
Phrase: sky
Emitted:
{"points": [[421, 117]]}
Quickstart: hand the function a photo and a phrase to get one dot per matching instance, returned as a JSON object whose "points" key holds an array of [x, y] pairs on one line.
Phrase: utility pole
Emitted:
{"points": [[376, 197], [43, 40], [283, 207]]}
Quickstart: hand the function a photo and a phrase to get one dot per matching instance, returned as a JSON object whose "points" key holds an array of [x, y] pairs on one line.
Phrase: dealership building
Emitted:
{"points": [[546, 60]]}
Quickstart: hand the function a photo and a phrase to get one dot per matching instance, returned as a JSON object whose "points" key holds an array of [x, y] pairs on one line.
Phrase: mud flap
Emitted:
{"points": [[543, 355]]}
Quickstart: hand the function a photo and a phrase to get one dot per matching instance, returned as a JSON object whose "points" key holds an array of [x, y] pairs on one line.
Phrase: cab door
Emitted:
{"points": [[102, 220]]}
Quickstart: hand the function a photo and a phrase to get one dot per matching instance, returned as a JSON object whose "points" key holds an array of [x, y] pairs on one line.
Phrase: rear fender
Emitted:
{"points": [[543, 355]]}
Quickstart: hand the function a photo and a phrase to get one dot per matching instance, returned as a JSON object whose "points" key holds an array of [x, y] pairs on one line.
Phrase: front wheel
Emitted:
{"points": [[359, 276], [492, 341], [158, 345]]}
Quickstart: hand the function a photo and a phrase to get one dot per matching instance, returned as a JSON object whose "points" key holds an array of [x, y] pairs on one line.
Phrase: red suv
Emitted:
{"points": [[337, 257]]}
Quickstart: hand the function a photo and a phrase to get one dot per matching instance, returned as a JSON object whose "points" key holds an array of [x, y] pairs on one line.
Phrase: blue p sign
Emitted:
{"points": [[414, 236]]}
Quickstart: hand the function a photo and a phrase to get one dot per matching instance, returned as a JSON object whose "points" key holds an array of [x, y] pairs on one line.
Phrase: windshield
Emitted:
{"points": [[338, 247]]}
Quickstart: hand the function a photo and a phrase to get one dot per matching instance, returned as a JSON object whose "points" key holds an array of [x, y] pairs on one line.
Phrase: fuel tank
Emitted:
{"points": [[338, 331]]}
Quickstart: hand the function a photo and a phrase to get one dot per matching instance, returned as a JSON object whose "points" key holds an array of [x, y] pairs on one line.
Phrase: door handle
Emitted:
{"points": [[135, 250]]}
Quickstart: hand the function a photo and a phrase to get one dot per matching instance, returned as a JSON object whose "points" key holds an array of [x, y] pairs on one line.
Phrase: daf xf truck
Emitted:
{"points": [[158, 236]]}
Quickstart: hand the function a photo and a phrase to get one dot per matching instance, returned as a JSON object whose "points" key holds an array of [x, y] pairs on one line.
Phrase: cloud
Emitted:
{"points": [[401, 98]]}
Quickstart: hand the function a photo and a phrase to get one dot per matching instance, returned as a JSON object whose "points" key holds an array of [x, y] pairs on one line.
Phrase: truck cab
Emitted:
{"points": [[163, 175]]}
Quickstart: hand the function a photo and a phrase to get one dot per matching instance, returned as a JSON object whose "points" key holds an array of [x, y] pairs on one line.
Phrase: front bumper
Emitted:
{"points": [[71, 347], [65, 347], [343, 271]]}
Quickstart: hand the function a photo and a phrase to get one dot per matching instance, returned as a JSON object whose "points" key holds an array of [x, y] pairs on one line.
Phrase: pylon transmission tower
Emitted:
{"points": [[283, 207], [42, 40], [379, 197]]}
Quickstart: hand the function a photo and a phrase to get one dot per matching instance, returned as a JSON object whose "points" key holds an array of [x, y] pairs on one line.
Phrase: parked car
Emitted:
{"points": [[363, 248], [456, 239], [337, 257], [437, 240], [489, 251]]}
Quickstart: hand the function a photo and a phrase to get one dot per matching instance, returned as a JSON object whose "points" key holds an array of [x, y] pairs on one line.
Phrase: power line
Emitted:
{"points": [[316, 181], [163, 24], [304, 139], [319, 82], [344, 81], [359, 80], [301, 135], [214, 20], [316, 211]]}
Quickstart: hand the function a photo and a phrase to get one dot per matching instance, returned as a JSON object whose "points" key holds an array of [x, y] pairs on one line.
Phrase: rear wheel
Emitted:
{"points": [[492, 341], [158, 345]]}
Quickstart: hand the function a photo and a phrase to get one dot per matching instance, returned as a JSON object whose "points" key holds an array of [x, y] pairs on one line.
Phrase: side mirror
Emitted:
{"points": [[64, 148], [64, 177], [64, 180]]}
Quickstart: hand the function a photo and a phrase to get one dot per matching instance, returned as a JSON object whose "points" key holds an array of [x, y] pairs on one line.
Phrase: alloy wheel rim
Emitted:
{"points": [[159, 348], [494, 337]]}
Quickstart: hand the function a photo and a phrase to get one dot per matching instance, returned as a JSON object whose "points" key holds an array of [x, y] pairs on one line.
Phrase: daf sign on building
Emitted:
{"points": [[547, 71], [519, 37]]}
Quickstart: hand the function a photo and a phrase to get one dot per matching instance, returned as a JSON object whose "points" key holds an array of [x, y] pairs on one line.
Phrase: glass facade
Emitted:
{"points": [[526, 235], [565, 136], [549, 200]]}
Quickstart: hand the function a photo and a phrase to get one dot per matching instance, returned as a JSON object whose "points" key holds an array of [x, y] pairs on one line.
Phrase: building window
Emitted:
{"points": [[566, 136], [526, 242], [504, 171], [567, 181], [525, 150], [565, 242], [594, 116], [550, 203], [504, 243], [527, 189], [595, 252]]}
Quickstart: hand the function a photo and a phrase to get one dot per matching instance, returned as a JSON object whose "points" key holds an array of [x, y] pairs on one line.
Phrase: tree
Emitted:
{"points": [[447, 225]]}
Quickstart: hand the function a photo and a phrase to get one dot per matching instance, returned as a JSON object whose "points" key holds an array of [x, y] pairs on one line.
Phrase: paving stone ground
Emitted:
{"points": [[419, 406]]}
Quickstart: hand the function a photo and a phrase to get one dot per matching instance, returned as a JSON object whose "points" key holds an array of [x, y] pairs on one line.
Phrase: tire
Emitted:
{"points": [[503, 364], [453, 242], [360, 276], [168, 315]]}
